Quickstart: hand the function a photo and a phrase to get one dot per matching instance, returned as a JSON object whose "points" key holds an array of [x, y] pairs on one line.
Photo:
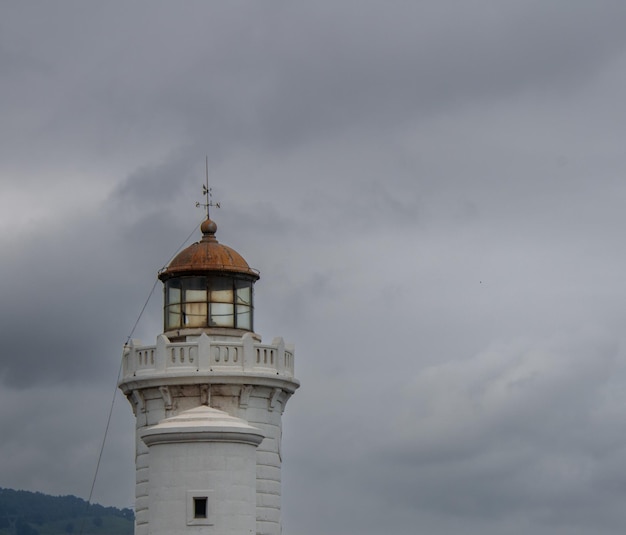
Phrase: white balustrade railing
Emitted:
{"points": [[206, 355]]}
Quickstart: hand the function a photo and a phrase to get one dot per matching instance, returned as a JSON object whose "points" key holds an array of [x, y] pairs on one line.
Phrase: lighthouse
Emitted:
{"points": [[208, 399]]}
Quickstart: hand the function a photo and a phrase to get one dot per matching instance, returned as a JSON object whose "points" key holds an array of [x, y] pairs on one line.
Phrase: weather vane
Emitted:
{"points": [[206, 190]]}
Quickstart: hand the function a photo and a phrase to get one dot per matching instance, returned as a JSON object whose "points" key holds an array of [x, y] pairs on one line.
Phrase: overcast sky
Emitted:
{"points": [[434, 194]]}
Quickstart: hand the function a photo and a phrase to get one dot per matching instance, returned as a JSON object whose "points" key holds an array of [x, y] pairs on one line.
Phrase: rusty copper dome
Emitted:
{"points": [[207, 255]]}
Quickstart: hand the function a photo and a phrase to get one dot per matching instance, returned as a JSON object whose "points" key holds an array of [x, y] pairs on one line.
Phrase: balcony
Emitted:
{"points": [[205, 357]]}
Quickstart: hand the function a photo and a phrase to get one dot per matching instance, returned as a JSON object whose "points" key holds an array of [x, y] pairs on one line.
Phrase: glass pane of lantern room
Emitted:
{"points": [[173, 293], [173, 317], [195, 314], [221, 290], [244, 317], [244, 293], [172, 304], [195, 302], [222, 315]]}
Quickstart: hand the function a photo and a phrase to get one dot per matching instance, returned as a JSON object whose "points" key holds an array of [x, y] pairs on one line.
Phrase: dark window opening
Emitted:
{"points": [[199, 507]]}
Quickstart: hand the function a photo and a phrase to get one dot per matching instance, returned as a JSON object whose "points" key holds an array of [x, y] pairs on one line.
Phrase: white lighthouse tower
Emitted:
{"points": [[208, 399]]}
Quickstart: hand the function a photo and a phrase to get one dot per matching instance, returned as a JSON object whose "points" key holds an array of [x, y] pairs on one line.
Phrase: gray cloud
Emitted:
{"points": [[433, 194]]}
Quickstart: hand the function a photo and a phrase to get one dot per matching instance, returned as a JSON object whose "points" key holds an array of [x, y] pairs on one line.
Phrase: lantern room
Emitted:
{"points": [[208, 288]]}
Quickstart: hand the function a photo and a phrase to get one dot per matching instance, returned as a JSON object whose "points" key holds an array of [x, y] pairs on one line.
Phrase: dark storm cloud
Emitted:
{"points": [[65, 281], [383, 71], [293, 73], [55, 288]]}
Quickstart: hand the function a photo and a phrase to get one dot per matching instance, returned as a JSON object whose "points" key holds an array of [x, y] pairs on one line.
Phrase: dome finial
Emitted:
{"points": [[208, 229]]}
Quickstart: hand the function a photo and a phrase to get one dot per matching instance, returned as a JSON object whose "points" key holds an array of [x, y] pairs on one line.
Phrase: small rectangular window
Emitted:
{"points": [[199, 507]]}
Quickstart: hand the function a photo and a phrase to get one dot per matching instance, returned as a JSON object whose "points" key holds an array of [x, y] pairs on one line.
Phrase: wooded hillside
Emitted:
{"points": [[34, 513]]}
